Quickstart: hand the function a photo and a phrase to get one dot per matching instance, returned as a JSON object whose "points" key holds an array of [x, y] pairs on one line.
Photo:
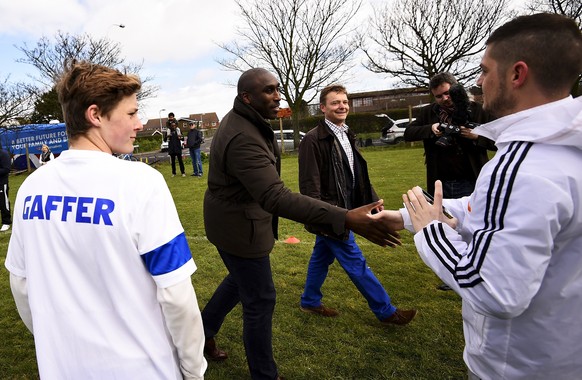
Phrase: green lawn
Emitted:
{"points": [[352, 346]]}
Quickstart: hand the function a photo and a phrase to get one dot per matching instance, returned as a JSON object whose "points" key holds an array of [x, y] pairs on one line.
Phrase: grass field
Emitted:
{"points": [[352, 346]]}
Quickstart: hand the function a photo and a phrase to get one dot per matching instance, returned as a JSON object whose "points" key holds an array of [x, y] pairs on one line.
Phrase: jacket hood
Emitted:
{"points": [[556, 123]]}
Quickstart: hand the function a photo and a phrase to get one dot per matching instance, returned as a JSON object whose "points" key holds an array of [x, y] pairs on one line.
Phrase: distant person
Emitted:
{"points": [[515, 256], [333, 170], [457, 158], [458, 161], [5, 165], [46, 155], [244, 199], [106, 292], [193, 141], [174, 138]]}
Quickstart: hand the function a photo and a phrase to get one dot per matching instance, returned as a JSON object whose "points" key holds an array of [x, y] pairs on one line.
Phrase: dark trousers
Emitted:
{"points": [[180, 162], [5, 204], [457, 188], [250, 282]]}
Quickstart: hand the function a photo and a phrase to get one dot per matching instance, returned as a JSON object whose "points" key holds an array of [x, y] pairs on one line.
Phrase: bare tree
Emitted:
{"points": [[413, 40], [49, 56], [570, 8], [307, 43], [16, 101]]}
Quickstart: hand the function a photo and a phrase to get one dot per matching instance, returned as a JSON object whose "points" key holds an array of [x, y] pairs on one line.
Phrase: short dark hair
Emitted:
{"points": [[331, 88], [171, 114], [249, 80], [84, 83], [550, 44], [440, 78]]}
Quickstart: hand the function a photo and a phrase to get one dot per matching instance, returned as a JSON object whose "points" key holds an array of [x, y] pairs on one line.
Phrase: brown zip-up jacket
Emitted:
{"points": [[245, 193], [324, 173]]}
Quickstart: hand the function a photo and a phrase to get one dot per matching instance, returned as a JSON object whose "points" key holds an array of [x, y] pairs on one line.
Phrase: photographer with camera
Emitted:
{"points": [[453, 154]]}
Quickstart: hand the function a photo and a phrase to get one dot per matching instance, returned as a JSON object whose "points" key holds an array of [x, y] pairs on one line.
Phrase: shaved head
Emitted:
{"points": [[250, 80]]}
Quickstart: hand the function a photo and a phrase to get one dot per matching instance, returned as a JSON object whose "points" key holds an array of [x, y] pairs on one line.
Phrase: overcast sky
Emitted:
{"points": [[175, 39]]}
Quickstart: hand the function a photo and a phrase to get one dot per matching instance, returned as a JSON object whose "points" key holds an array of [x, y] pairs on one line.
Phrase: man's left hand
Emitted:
{"points": [[421, 212]]}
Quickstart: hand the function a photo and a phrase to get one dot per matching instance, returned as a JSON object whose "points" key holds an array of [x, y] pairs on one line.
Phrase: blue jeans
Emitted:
{"points": [[351, 259], [250, 282], [196, 160], [457, 188]]}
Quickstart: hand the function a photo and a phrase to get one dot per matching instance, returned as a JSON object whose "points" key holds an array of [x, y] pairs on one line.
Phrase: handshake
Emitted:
{"points": [[382, 227]]}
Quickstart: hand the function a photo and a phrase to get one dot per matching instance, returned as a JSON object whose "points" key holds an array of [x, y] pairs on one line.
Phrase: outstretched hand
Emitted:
{"points": [[421, 211], [380, 229]]}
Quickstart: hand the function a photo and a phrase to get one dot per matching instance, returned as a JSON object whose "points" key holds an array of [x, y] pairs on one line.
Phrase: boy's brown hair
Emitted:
{"points": [[84, 84]]}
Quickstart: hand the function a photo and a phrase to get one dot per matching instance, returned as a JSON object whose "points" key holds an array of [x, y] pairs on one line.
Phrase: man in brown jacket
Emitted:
{"points": [[244, 198], [331, 168]]}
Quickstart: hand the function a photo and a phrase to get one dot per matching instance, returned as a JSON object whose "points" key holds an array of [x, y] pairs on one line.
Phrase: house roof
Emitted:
{"points": [[209, 119]]}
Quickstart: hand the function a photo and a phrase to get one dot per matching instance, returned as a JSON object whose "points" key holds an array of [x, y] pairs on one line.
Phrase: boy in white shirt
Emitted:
{"points": [[110, 293]]}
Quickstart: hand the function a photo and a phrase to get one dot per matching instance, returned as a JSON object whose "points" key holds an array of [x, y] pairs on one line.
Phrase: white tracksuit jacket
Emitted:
{"points": [[516, 255]]}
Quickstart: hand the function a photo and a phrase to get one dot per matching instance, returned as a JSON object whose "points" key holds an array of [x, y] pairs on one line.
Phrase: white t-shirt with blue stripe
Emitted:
{"points": [[95, 236]]}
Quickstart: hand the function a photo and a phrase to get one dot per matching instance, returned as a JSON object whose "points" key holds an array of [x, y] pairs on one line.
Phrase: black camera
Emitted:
{"points": [[459, 118], [449, 130]]}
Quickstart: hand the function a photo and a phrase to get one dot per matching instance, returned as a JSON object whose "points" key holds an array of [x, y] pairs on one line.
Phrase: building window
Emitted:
{"points": [[363, 102]]}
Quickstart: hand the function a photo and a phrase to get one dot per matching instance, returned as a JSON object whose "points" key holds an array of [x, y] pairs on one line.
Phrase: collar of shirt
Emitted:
{"points": [[339, 130], [341, 133]]}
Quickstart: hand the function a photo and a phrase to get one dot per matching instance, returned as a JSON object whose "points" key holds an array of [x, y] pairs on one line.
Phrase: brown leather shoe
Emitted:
{"points": [[400, 317], [321, 310], [212, 353]]}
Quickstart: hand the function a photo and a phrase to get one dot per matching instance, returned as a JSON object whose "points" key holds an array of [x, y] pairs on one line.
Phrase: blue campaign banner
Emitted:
{"points": [[15, 139]]}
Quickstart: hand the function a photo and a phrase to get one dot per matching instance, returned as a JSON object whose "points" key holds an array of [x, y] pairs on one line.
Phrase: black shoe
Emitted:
{"points": [[444, 287]]}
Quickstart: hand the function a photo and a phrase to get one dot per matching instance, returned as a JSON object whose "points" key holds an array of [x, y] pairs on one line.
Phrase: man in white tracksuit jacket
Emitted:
{"points": [[515, 256]]}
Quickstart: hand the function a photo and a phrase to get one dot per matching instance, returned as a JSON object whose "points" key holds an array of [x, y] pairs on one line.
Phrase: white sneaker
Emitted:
{"points": [[183, 175], [5, 227]]}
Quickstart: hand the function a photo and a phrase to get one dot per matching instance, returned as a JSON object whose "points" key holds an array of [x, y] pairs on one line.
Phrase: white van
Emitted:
{"points": [[287, 138]]}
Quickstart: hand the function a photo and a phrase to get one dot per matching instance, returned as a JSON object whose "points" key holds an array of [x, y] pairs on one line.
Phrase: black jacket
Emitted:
{"points": [[463, 160], [5, 164], [174, 137], [194, 139]]}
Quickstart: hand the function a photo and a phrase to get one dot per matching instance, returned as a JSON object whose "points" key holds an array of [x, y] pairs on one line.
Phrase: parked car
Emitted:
{"points": [[287, 138], [164, 146], [393, 131]]}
